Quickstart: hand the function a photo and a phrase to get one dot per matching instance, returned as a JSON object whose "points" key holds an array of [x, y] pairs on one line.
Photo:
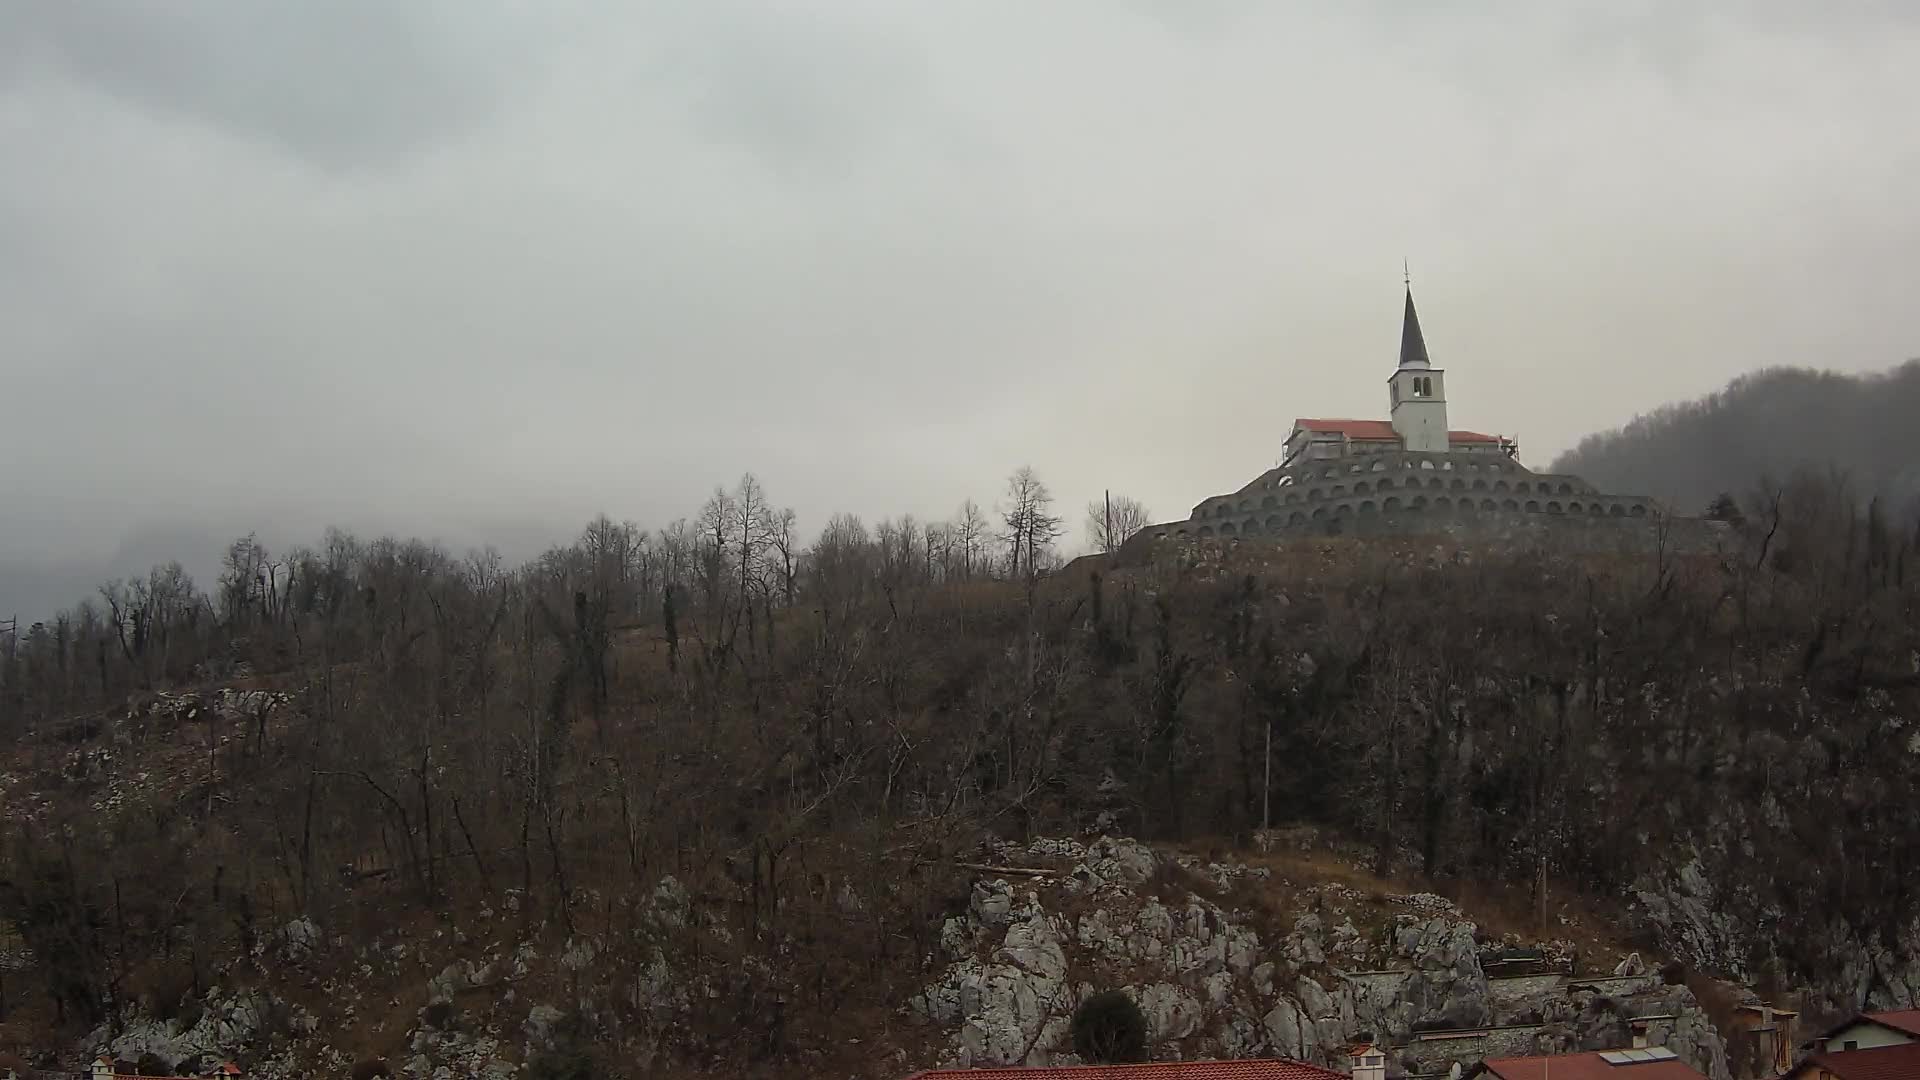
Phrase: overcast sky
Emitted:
{"points": [[479, 270]]}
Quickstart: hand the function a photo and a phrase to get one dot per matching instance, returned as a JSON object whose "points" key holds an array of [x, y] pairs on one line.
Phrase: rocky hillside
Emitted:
{"points": [[1231, 960], [1224, 958], [598, 813]]}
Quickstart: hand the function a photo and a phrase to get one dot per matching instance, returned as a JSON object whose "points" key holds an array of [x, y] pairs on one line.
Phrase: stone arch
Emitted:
{"points": [[1296, 518], [1227, 528], [1595, 509], [1554, 507], [1378, 466], [1368, 507], [1499, 485], [1246, 505], [1386, 483], [1393, 504], [1285, 481], [1575, 508], [1441, 502], [1418, 502], [1269, 503], [1356, 467], [1250, 527], [1617, 510], [1360, 488], [1427, 464], [1533, 506], [1274, 524], [1566, 488], [1458, 484], [1319, 512], [1206, 532], [1436, 483], [1180, 535], [1292, 497], [1637, 511], [1326, 474], [1338, 490], [1342, 509], [1479, 484], [1489, 504], [1544, 488], [1315, 494], [1511, 504]]}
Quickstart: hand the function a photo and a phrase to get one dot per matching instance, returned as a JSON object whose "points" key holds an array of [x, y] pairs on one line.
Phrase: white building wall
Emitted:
{"points": [[1868, 1036], [1420, 420]]}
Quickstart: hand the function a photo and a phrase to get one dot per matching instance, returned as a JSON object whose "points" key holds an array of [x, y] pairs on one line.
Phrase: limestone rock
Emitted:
{"points": [[541, 1020], [1171, 1012], [992, 902]]}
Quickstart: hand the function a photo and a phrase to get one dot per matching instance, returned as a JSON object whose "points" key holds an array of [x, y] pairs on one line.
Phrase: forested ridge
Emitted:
{"points": [[809, 736], [1760, 430]]}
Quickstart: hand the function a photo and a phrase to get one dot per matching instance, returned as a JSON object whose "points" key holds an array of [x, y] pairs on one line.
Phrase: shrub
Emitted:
{"points": [[1109, 1029], [371, 1069], [152, 1064], [564, 1064]]}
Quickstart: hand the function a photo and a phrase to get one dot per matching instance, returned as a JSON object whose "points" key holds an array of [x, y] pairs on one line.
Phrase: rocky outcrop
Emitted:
{"points": [[1211, 986]]}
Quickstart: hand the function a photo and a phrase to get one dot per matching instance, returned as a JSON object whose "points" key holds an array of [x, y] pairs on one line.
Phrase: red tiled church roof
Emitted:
{"points": [[1266, 1069], [1378, 430], [1879, 1063]]}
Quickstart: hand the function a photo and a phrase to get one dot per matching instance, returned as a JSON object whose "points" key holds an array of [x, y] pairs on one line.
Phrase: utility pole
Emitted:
{"points": [[1266, 779], [1540, 890], [1106, 538]]}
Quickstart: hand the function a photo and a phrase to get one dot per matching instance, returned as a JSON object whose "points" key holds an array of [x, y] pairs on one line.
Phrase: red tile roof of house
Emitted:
{"points": [[1907, 1020], [1377, 430], [1586, 1067], [1264, 1069], [1879, 1063]]}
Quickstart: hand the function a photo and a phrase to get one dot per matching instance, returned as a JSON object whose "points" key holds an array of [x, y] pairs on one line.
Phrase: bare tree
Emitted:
{"points": [[1031, 526], [785, 545], [970, 537], [1111, 521]]}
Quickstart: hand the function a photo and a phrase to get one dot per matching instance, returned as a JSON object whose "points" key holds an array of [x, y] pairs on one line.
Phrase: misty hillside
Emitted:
{"points": [[1765, 424]]}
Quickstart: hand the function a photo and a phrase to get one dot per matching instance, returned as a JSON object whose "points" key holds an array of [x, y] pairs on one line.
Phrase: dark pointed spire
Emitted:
{"points": [[1413, 345]]}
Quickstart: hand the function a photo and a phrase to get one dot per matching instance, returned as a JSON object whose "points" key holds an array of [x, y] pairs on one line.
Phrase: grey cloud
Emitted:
{"points": [[460, 268], [340, 83]]}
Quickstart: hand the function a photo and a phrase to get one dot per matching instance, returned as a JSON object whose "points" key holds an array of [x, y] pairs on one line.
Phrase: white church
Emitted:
{"points": [[1408, 474]]}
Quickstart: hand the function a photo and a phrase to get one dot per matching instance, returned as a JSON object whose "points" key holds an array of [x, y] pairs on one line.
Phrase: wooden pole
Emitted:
{"points": [[1266, 779]]}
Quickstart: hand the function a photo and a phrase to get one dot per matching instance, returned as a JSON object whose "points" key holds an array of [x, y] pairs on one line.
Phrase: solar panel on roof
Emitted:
{"points": [[1638, 1056]]}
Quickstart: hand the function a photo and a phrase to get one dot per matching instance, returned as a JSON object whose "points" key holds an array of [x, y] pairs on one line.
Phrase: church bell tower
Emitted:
{"points": [[1419, 390]]}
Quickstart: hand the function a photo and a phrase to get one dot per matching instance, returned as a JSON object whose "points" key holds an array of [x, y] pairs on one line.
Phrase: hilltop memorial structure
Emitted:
{"points": [[1413, 474]]}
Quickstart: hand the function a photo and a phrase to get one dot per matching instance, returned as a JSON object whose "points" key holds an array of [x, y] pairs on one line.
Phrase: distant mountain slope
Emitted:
{"points": [[1767, 423]]}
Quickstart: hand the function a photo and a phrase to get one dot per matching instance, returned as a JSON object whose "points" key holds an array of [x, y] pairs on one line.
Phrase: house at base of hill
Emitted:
{"points": [[1264, 1069], [1644, 1063], [1896, 1027], [1900, 1061], [105, 1068]]}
